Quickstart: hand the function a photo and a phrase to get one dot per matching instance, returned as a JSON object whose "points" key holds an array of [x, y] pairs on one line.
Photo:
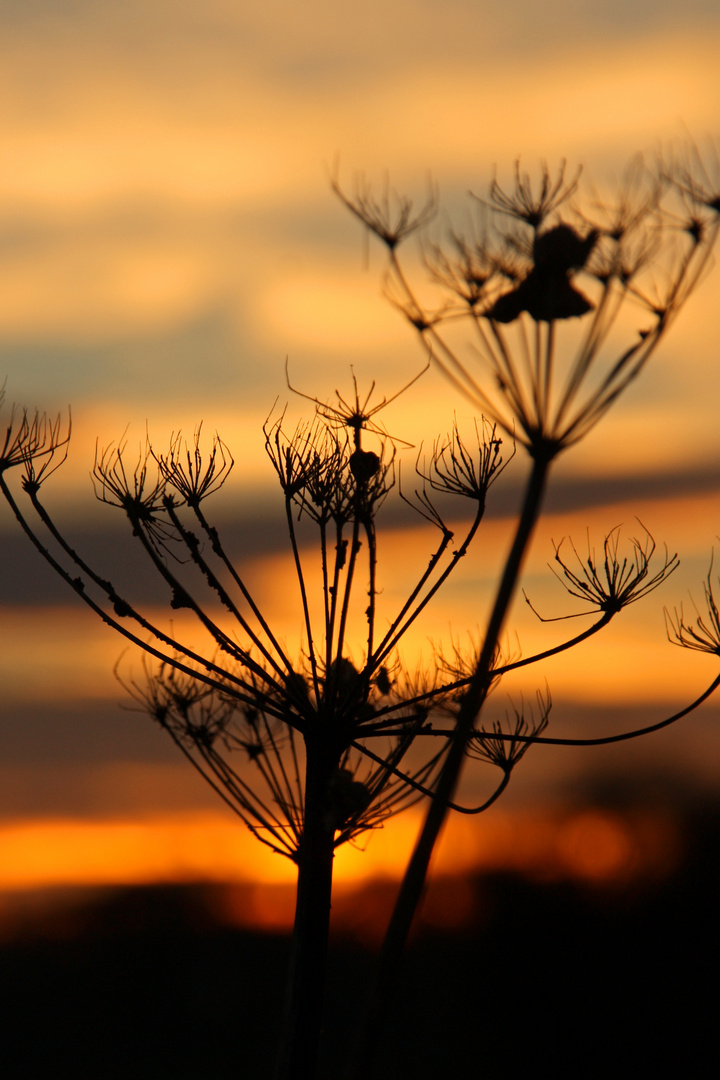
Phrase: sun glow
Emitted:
{"points": [[598, 847], [169, 238]]}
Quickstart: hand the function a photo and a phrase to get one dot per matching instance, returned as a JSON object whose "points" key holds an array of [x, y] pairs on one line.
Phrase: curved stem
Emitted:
{"points": [[605, 740], [422, 790], [557, 740], [384, 727]]}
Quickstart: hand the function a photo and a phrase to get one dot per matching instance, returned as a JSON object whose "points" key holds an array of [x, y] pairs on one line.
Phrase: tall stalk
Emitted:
{"points": [[413, 883], [305, 991]]}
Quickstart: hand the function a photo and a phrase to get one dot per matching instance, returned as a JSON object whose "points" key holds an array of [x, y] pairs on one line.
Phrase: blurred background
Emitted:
{"points": [[168, 237]]}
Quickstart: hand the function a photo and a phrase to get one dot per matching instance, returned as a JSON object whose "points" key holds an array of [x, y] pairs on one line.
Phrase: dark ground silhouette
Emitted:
{"points": [[549, 979]]}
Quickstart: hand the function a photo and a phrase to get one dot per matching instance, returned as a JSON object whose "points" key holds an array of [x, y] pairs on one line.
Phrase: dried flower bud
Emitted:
{"points": [[364, 464]]}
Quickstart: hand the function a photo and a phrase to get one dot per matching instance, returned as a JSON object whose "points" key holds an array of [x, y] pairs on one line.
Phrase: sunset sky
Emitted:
{"points": [[168, 237]]}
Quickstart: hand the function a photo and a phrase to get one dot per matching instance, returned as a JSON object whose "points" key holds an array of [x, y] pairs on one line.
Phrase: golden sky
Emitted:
{"points": [[168, 237]]}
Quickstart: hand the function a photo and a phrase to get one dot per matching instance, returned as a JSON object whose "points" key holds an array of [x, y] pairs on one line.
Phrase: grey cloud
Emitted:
{"points": [[323, 42], [93, 758], [199, 359], [89, 731]]}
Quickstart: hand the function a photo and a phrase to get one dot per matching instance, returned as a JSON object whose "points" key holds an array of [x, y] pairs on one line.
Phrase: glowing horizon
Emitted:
{"points": [[171, 238], [185, 847]]}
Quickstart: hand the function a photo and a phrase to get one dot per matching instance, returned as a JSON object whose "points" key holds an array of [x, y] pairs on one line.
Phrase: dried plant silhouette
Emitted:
{"points": [[563, 301], [312, 750]]}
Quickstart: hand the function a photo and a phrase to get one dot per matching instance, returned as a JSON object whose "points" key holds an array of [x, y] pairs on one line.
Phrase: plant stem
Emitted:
{"points": [[413, 884], [300, 1039]]}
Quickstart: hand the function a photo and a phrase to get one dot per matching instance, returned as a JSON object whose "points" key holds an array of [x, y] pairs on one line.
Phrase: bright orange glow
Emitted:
{"points": [[207, 847], [171, 231], [184, 847]]}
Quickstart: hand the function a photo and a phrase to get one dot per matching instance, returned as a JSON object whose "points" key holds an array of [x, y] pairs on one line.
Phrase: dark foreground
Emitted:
{"points": [[552, 979]]}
